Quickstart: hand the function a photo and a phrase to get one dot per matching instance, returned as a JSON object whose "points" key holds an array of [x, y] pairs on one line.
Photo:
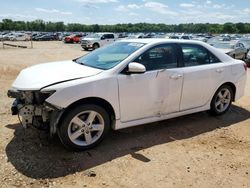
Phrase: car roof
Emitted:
{"points": [[157, 41]]}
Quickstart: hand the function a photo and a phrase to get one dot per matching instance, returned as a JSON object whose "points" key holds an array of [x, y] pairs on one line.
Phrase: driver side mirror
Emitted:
{"points": [[103, 37], [136, 68]]}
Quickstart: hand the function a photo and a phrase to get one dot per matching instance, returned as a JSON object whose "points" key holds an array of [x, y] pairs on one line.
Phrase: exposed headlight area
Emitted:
{"points": [[31, 107], [30, 97], [40, 97]]}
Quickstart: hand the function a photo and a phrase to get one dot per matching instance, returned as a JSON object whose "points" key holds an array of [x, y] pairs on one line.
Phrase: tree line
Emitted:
{"points": [[40, 25]]}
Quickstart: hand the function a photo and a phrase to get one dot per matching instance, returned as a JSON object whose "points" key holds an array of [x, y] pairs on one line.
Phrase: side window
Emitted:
{"points": [[104, 37], [241, 45], [194, 55], [159, 57], [111, 36]]}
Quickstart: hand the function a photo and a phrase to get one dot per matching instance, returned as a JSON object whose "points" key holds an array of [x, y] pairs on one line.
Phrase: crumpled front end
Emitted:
{"points": [[33, 110]]}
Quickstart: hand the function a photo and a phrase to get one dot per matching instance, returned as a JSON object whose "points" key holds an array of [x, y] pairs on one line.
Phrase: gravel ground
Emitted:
{"points": [[196, 150]]}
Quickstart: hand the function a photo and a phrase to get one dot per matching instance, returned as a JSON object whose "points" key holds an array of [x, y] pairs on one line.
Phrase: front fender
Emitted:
{"points": [[69, 92]]}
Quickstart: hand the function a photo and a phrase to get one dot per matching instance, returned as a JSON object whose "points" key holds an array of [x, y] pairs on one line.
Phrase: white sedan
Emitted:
{"points": [[124, 84]]}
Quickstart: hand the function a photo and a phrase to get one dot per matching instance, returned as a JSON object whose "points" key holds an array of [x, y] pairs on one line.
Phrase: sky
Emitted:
{"points": [[121, 11]]}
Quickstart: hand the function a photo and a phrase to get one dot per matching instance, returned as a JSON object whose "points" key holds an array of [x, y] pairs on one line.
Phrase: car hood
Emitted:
{"points": [[42, 75], [225, 50]]}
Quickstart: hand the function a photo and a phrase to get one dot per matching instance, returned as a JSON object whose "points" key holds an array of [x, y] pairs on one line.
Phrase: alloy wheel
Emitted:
{"points": [[86, 128], [223, 100]]}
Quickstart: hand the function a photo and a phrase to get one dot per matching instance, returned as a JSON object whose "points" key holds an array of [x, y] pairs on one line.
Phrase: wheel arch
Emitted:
{"points": [[96, 44], [232, 85], [93, 100]]}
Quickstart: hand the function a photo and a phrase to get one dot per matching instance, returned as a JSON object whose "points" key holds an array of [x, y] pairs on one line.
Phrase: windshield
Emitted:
{"points": [[109, 56], [224, 45]]}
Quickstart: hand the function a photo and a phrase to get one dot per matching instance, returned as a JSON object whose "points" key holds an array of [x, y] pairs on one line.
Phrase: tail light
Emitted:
{"points": [[245, 66]]}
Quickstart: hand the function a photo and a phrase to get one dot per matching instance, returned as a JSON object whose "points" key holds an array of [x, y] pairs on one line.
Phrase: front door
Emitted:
{"points": [[155, 92]]}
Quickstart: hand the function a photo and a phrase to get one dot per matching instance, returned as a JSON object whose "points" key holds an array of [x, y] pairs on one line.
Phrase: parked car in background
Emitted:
{"points": [[122, 35], [76, 38], [36, 35], [218, 39], [248, 59], [245, 42], [233, 48], [200, 38], [186, 37], [135, 36], [61, 36], [7, 36], [45, 37], [19, 37], [97, 40], [124, 84], [149, 35], [174, 37]]}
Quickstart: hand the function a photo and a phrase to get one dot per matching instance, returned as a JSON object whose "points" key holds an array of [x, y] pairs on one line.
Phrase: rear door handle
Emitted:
{"points": [[219, 70], [176, 76]]}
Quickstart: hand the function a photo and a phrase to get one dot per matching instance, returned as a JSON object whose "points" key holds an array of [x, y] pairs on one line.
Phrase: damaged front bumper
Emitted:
{"points": [[34, 110]]}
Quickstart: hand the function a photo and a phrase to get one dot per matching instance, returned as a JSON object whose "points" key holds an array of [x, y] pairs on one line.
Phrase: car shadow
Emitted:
{"points": [[37, 156]]}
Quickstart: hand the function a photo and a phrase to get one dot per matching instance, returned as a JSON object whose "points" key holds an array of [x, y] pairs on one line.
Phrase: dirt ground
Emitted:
{"points": [[197, 150]]}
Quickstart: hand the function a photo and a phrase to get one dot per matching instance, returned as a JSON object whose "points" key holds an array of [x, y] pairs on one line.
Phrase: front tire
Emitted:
{"points": [[222, 100], [95, 46], [84, 127]]}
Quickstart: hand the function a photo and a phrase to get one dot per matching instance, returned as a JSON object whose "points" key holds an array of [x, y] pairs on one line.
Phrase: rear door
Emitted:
{"points": [[202, 72]]}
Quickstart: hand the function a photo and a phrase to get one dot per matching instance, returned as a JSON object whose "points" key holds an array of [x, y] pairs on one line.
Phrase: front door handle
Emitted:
{"points": [[176, 76]]}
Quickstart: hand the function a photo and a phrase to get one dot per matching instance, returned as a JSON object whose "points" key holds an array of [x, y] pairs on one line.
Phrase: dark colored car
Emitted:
{"points": [[46, 37]]}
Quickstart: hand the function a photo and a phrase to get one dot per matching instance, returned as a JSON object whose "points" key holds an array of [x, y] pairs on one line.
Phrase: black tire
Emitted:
{"points": [[248, 64], [86, 49], [216, 99], [244, 57], [66, 125], [95, 46]]}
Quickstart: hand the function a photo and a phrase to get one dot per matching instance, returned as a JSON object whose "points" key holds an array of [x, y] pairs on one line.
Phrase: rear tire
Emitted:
{"points": [[84, 127], [222, 100]]}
